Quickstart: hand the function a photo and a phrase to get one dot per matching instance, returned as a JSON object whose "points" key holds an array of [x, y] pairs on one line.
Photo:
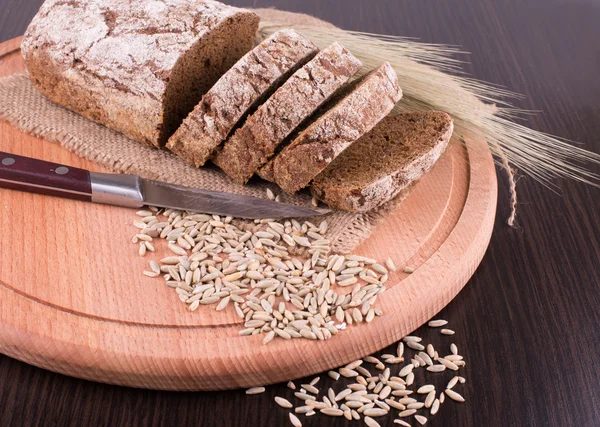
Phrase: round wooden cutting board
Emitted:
{"points": [[74, 300]]}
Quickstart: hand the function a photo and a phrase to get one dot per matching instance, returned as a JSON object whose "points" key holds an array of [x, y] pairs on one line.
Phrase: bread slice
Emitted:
{"points": [[135, 66], [299, 97], [369, 101], [237, 92], [396, 153]]}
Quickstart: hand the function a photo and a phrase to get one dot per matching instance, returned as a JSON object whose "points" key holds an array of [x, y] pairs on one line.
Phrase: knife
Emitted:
{"points": [[132, 191]]}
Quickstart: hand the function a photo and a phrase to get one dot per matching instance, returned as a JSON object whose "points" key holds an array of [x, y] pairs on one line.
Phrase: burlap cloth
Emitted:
{"points": [[28, 110]]}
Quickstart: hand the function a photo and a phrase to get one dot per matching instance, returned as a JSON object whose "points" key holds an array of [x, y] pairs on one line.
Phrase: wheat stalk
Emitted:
{"points": [[431, 78]]}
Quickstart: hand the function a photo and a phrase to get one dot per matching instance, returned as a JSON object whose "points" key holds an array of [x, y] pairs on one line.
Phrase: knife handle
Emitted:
{"points": [[37, 176]]}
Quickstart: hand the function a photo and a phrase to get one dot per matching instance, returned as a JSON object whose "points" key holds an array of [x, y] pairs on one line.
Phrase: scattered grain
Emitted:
{"points": [[348, 373], [375, 412], [454, 395], [255, 268], [370, 422], [295, 421], [448, 364], [437, 323], [332, 412], [284, 403], [415, 345], [310, 388], [390, 264], [255, 390], [426, 389], [406, 370], [333, 375], [452, 383], [421, 419]]}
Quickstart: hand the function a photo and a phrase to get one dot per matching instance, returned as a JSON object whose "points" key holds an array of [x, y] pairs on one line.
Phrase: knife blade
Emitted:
{"points": [[120, 189], [38, 176]]}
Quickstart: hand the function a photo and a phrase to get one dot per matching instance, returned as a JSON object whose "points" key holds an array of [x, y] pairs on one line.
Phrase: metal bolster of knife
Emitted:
{"points": [[117, 189]]}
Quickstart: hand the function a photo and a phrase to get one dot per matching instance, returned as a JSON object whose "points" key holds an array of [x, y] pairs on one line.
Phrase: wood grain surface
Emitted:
{"points": [[97, 317], [528, 322]]}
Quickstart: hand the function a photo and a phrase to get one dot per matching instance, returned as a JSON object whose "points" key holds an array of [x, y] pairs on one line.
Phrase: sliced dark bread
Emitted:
{"points": [[256, 75], [298, 98], [267, 171], [315, 147], [396, 153]]}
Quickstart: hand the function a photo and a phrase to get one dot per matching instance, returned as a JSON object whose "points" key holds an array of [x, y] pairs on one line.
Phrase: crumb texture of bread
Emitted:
{"points": [[238, 92], [136, 66], [369, 100], [266, 171], [385, 161], [306, 90]]}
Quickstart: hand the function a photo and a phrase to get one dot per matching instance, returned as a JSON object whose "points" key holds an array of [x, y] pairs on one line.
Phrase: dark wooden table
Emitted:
{"points": [[529, 320]]}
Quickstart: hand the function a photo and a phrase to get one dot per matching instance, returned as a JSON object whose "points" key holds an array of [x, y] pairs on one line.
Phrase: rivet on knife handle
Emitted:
{"points": [[37, 176]]}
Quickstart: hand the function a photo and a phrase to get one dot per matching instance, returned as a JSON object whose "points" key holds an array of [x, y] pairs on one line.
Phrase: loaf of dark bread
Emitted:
{"points": [[135, 66]]}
